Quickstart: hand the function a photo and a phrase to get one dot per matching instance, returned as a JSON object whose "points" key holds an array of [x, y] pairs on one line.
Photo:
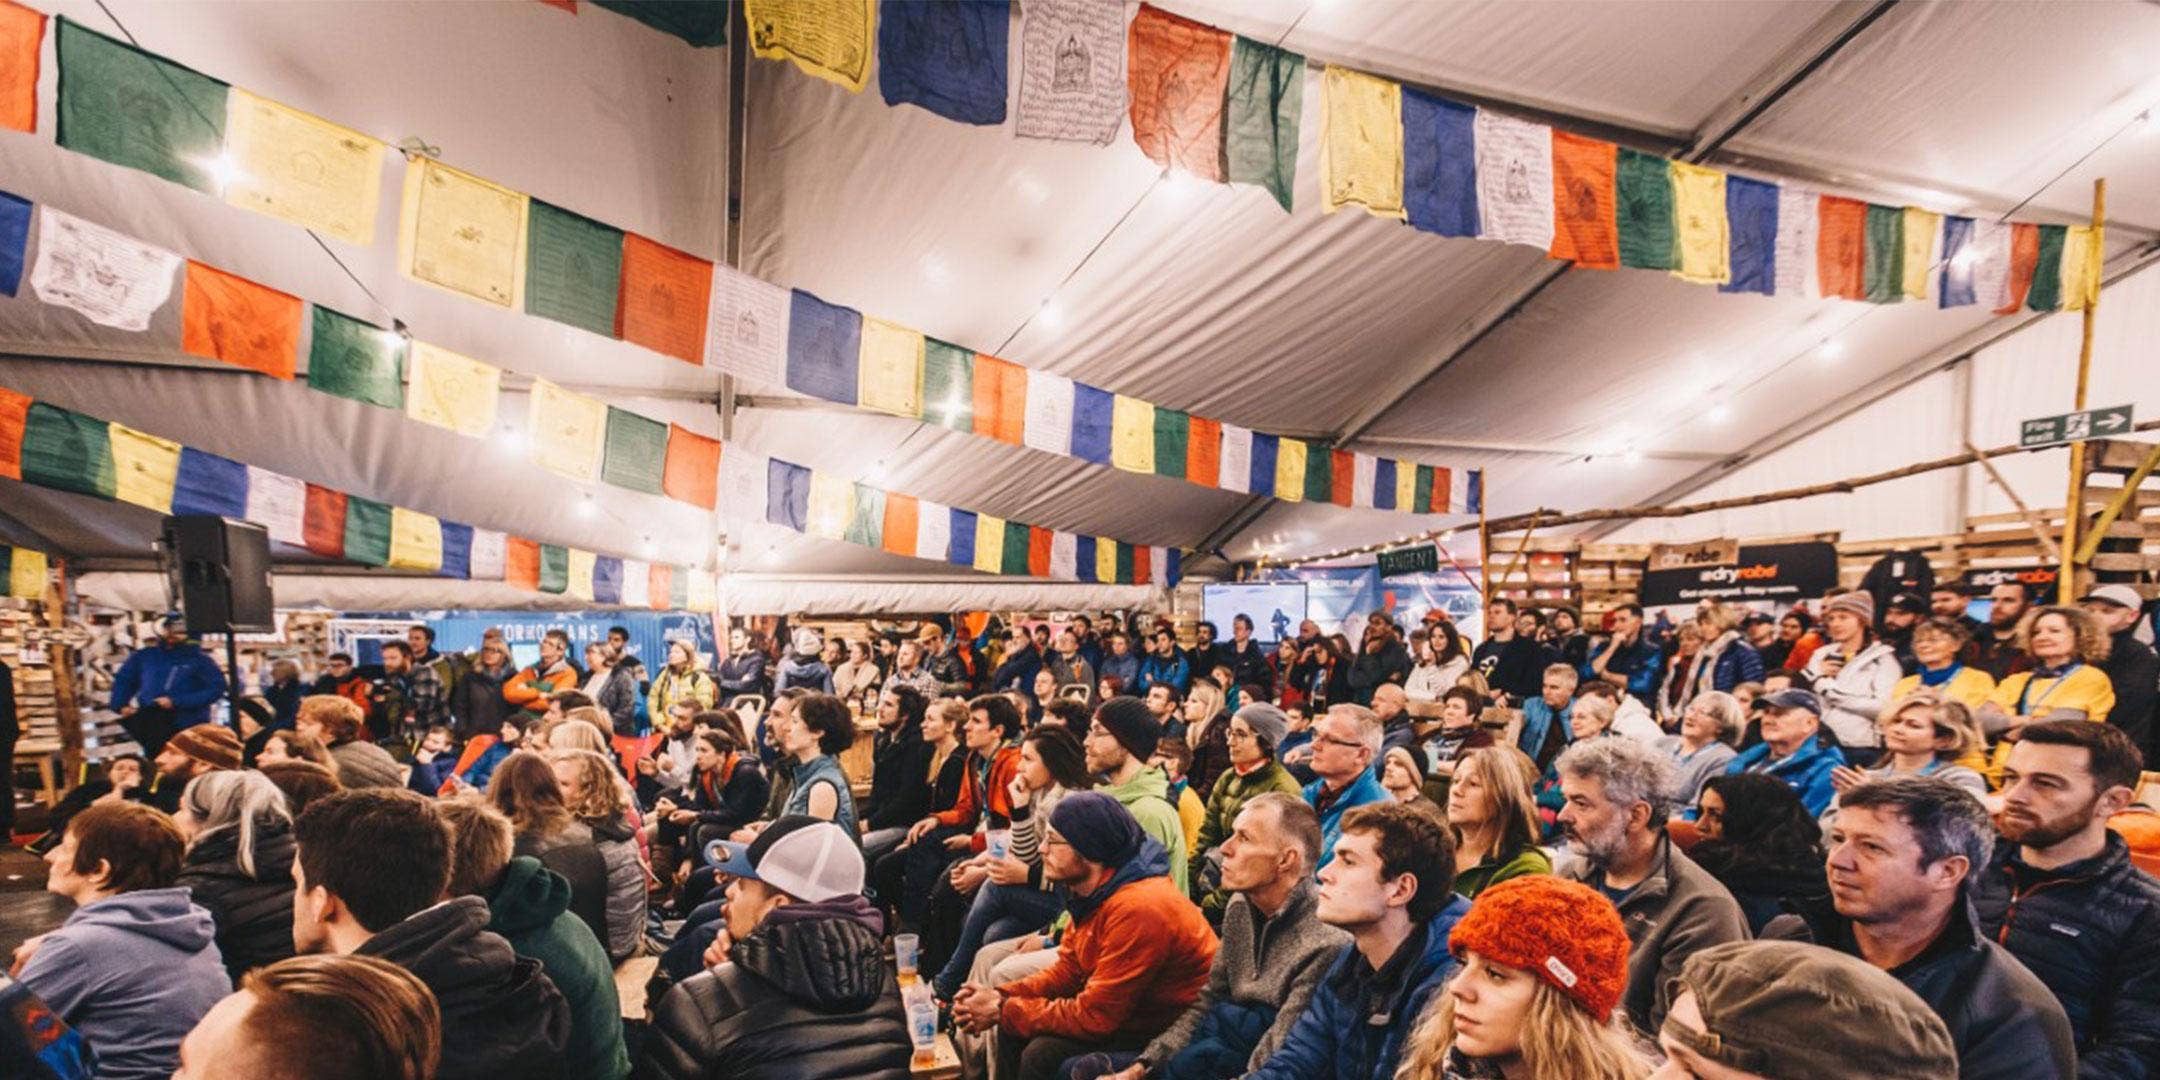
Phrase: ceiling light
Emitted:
{"points": [[1051, 317], [1831, 350], [1632, 457], [1720, 413], [587, 506]]}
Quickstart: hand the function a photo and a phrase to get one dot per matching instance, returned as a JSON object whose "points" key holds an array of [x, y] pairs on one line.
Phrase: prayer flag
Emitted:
{"points": [[1173, 567], [831, 505], [1922, 230], [1017, 550], [1319, 474], [1751, 221], [1584, 227], [367, 531], [960, 531], [490, 553], [1290, 455], [1264, 101], [747, 333], [1143, 564], [607, 579], [1173, 430], [947, 56], [1387, 484], [1885, 264], [1235, 466], [1106, 560], [1048, 421], [1125, 562], [554, 568], [1439, 164], [741, 490], [1132, 435], [301, 168], [703, 24], [456, 549], [145, 468], [461, 233], [29, 573], [131, 108], [2024, 261], [1699, 224], [566, 431], [890, 378], [1421, 495], [22, 37], [831, 39], [68, 451], [1958, 260], [636, 452], [1203, 452], [637, 584], [1262, 450], [1473, 491], [2046, 293], [664, 297], [1176, 71], [279, 504], [1798, 268], [787, 495], [1072, 70], [948, 385], [451, 391], [209, 484], [1361, 142], [112, 279], [1064, 556], [933, 530], [416, 541], [357, 360], [1092, 413], [1000, 399], [824, 348], [14, 234], [1342, 477], [521, 563], [1643, 190], [2080, 267], [323, 526], [573, 268], [990, 537], [1842, 247], [229, 318], [691, 473], [1084, 561], [901, 528], [578, 568], [1514, 180], [703, 591], [678, 581], [1443, 490]]}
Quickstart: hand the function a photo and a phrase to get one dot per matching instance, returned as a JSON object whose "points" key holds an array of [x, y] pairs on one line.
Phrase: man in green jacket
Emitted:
{"points": [[1119, 742], [1255, 732]]}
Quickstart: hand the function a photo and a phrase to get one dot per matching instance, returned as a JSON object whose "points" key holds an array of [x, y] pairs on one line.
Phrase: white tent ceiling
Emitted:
{"points": [[1090, 262]]}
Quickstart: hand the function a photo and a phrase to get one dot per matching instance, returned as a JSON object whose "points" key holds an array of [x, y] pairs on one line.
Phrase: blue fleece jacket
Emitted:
{"points": [[133, 974], [182, 672], [1806, 771], [1344, 1034], [1365, 789]]}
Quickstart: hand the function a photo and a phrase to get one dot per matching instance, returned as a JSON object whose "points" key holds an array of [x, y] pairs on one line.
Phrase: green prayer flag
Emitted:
{"points": [[573, 268], [357, 360], [69, 451], [1885, 273], [134, 109], [1260, 117], [1173, 432], [867, 526], [367, 531], [1014, 558], [700, 22], [1319, 473], [555, 569], [1421, 493], [1643, 205], [948, 385], [2046, 291], [1124, 564], [636, 454]]}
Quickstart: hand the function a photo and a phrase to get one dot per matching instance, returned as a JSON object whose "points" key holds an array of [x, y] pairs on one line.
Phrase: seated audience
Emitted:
{"points": [[1938, 648], [1854, 674], [2066, 681], [1795, 748], [1927, 734], [1254, 732], [1754, 1010], [726, 792], [301, 782], [1121, 739], [1492, 817], [289, 745], [902, 878], [239, 864], [820, 729], [1402, 776], [1545, 718], [599, 798], [1764, 847], [1346, 759], [1709, 727], [984, 804], [524, 789], [339, 724], [899, 756], [193, 751], [1174, 758], [319, 1018]]}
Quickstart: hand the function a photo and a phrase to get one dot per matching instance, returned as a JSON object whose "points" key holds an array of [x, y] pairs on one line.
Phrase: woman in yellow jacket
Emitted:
{"points": [[1935, 646], [2067, 683]]}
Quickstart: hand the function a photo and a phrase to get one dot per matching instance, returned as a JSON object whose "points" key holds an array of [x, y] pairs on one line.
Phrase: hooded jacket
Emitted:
{"points": [[501, 1015], [1148, 796], [626, 885], [1806, 770], [530, 688], [1357, 1021], [253, 913], [183, 673], [807, 995], [132, 973], [530, 908]]}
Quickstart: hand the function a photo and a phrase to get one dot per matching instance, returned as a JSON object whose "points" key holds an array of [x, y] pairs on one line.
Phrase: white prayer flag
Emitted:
{"points": [[742, 487], [1364, 468], [1990, 245], [1796, 273], [1049, 418], [636, 583], [111, 278], [1158, 566], [933, 530], [1072, 70], [488, 550], [1235, 463], [1514, 180], [747, 328], [1064, 556], [278, 503]]}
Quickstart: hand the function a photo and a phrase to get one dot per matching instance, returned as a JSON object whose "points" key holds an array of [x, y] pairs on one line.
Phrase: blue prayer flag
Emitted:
{"points": [[1439, 164], [1091, 423], [1174, 568], [961, 551], [14, 238], [947, 56], [456, 550], [1751, 220], [1263, 463], [1474, 497], [1084, 558], [1957, 274], [209, 484], [787, 494], [607, 579], [824, 348], [1383, 483]]}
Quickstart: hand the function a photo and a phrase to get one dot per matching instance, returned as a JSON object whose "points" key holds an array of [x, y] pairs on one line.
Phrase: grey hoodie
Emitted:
{"points": [[133, 973]]}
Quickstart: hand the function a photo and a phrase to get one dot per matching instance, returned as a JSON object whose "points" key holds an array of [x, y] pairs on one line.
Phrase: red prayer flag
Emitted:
{"points": [[322, 522], [901, 513], [2024, 259], [1142, 559], [14, 416], [567, 5], [662, 301], [1584, 227], [227, 317], [1342, 476], [1000, 398], [1203, 451], [1443, 483], [660, 582], [22, 32], [1841, 247], [691, 473], [1176, 71], [521, 564]]}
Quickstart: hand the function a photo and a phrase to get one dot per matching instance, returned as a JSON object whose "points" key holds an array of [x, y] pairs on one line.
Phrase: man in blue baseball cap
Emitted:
{"points": [[1795, 748]]}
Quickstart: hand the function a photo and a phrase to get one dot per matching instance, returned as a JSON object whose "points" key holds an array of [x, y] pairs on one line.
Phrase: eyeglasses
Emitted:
{"points": [[1241, 734], [1345, 743]]}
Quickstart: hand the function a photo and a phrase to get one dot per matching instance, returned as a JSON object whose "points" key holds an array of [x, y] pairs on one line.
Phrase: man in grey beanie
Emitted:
{"points": [[1255, 731]]}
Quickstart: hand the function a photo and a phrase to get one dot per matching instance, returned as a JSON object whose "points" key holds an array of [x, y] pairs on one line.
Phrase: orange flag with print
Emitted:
{"points": [[1000, 399], [2024, 259], [229, 318], [1584, 227], [1177, 71], [14, 418], [22, 32], [662, 299], [1841, 247]]}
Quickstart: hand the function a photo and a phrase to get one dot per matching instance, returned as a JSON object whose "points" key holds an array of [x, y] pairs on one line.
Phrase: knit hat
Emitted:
{"points": [[1564, 932], [1098, 828], [1266, 721], [214, 745], [1128, 720], [1858, 602], [1802, 1012]]}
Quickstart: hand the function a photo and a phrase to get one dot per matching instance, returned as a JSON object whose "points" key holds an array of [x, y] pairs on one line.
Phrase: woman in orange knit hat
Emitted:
{"points": [[1543, 965]]}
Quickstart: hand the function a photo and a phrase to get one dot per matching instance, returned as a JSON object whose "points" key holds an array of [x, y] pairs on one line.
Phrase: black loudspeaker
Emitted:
{"points": [[219, 569]]}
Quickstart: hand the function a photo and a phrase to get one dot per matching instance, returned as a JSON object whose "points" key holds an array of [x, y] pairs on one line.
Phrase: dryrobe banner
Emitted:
{"points": [[1340, 597], [1766, 573], [650, 631]]}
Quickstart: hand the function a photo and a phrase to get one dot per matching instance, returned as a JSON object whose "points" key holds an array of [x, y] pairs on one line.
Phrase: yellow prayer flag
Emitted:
{"points": [[566, 431], [1290, 470], [1405, 484], [580, 586], [704, 591], [415, 540], [144, 468], [449, 390], [989, 543], [1105, 560], [831, 39], [1699, 219], [1923, 230], [891, 375], [302, 168], [1132, 434], [832, 505], [462, 233], [1361, 142], [2082, 250], [27, 574]]}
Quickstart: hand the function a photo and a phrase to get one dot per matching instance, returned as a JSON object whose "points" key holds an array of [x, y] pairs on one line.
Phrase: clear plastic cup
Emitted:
{"points": [[907, 955], [999, 843]]}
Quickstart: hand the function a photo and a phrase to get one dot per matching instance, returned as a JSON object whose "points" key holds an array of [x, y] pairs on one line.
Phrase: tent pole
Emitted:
{"points": [[2074, 508], [1484, 558]]}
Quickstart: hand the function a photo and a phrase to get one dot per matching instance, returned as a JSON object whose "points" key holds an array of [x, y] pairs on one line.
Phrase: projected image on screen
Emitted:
{"points": [[1275, 608]]}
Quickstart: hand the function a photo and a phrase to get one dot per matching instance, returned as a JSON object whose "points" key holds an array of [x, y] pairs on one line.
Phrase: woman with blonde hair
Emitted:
{"points": [[1542, 962], [1492, 814], [1207, 732], [597, 797], [1726, 659], [2067, 682]]}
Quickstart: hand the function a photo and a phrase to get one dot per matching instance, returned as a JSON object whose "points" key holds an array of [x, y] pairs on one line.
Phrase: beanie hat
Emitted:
{"points": [[1755, 996], [1266, 721], [1128, 720], [1561, 931], [1858, 602], [214, 745], [1098, 828]]}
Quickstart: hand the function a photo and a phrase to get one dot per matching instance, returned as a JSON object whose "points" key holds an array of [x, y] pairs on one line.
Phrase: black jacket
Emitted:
{"points": [[476, 701], [502, 1019], [1248, 666], [253, 913], [1515, 667], [2091, 931], [899, 779], [806, 996], [573, 854], [2134, 670], [1371, 669]]}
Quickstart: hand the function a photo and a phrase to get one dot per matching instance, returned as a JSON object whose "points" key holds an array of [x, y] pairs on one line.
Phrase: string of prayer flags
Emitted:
{"points": [[1514, 180], [1841, 252], [1885, 264], [1261, 112], [209, 484], [1439, 164], [14, 240], [831, 39], [416, 541], [229, 318], [28, 572], [665, 295], [890, 373], [303, 169], [1751, 214], [1072, 70], [451, 391], [947, 56], [461, 233], [22, 36], [355, 359], [567, 431], [1361, 143], [129, 107], [1923, 230], [2045, 293], [635, 456], [691, 472], [110, 278], [1644, 209], [1175, 73], [1699, 224], [824, 348], [573, 268]]}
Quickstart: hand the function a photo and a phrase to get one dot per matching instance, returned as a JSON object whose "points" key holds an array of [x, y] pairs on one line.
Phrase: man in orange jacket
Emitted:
{"points": [[531, 688], [1136, 955]]}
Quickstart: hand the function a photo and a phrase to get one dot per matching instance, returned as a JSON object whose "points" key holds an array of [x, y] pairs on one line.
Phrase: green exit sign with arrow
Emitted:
{"points": [[2075, 427]]}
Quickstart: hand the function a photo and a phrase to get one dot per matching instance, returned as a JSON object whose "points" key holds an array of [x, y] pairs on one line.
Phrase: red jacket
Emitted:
{"points": [[973, 800], [1128, 968]]}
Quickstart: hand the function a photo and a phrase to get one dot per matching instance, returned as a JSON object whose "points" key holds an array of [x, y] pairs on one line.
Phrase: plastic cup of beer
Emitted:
{"points": [[907, 956], [999, 843]]}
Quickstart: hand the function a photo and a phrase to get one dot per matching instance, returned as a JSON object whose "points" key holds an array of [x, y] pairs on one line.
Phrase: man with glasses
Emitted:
{"points": [[1345, 753], [1119, 742]]}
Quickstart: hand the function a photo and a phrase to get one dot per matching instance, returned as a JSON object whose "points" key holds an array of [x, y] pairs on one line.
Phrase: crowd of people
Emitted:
{"points": [[1829, 841]]}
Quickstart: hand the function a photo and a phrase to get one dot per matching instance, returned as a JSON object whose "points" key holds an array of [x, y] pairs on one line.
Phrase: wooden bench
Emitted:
{"points": [[46, 754], [947, 1066]]}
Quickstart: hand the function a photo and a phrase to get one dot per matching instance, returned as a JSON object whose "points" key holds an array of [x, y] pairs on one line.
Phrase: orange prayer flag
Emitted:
{"points": [[227, 317], [1000, 398], [22, 32], [660, 584], [691, 473], [1443, 493], [521, 564], [901, 512], [14, 415], [1203, 451], [1142, 564], [322, 522], [1841, 247], [567, 5], [1038, 551], [662, 301], [1176, 71], [1342, 476], [1584, 228], [2024, 259]]}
